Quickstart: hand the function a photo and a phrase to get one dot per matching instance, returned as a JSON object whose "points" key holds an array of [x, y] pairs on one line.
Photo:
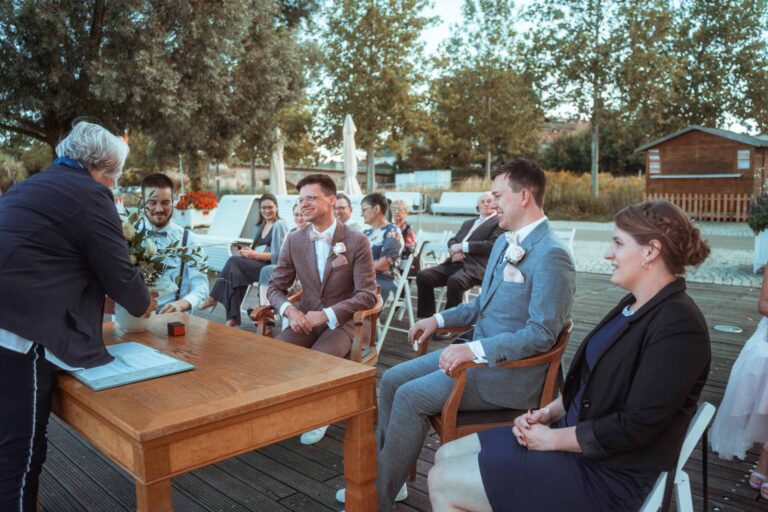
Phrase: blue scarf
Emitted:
{"points": [[68, 162]]}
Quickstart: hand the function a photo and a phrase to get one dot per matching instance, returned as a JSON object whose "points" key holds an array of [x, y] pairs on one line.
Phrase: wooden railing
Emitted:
{"points": [[710, 207]]}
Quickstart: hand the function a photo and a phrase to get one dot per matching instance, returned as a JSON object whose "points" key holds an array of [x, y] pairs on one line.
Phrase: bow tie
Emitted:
{"points": [[315, 236], [512, 238], [163, 234]]}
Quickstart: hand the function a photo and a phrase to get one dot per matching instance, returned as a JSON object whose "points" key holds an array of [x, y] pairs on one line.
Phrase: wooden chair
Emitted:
{"points": [[452, 424], [364, 342]]}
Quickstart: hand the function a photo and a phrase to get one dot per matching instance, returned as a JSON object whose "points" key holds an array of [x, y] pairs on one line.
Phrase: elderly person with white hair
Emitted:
{"points": [[465, 266], [61, 251]]}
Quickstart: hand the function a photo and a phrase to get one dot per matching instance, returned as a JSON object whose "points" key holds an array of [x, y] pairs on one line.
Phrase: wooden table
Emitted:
{"points": [[247, 391]]}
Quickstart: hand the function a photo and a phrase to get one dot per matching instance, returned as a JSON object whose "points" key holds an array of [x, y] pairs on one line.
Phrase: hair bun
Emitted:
{"points": [[697, 250]]}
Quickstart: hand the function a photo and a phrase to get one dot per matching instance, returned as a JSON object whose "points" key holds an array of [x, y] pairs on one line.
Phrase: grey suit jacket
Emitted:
{"points": [[518, 320]]}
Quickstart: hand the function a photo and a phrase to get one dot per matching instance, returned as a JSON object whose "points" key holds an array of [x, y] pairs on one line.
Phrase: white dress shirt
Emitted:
{"points": [[478, 222], [476, 346], [322, 251]]}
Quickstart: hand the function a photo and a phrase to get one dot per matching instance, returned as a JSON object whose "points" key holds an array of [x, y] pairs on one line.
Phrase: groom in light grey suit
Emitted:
{"points": [[526, 299]]}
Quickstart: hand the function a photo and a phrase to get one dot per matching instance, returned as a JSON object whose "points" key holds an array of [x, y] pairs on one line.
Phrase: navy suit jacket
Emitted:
{"points": [[61, 251]]}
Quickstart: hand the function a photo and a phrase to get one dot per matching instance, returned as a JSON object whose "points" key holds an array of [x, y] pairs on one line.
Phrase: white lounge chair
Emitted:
{"points": [[457, 203], [682, 485], [235, 220], [567, 236]]}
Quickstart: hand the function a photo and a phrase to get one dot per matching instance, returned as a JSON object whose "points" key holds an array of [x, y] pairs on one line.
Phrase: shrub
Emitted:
{"points": [[758, 213]]}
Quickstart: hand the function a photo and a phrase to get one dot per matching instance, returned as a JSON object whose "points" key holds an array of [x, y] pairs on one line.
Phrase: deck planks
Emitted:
{"points": [[292, 477]]}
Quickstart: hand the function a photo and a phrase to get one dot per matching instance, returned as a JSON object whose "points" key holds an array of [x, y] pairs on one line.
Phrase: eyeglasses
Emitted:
{"points": [[267, 207], [307, 199]]}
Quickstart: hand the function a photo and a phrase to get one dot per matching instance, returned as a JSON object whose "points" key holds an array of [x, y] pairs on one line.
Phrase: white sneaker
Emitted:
{"points": [[313, 436], [341, 494]]}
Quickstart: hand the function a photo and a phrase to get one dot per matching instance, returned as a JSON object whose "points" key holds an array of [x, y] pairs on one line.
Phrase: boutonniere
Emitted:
{"points": [[515, 254], [338, 252]]}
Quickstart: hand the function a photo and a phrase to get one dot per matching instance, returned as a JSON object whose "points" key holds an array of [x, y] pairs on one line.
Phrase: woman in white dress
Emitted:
{"points": [[742, 419]]}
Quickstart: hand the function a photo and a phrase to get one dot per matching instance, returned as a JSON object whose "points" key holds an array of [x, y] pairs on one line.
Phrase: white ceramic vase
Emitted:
{"points": [[129, 323]]}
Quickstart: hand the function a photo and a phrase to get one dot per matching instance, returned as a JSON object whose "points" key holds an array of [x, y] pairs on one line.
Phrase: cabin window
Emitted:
{"points": [[654, 161], [742, 159]]}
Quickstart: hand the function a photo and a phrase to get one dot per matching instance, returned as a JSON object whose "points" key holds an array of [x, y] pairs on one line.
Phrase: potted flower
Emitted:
{"points": [[758, 222], [151, 263], [195, 209]]}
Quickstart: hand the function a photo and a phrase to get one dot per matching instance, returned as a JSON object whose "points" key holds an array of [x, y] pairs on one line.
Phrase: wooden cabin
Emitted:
{"points": [[711, 173]]}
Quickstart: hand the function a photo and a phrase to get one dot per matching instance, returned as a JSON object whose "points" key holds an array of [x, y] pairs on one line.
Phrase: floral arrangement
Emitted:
{"points": [[151, 262], [197, 200], [143, 251]]}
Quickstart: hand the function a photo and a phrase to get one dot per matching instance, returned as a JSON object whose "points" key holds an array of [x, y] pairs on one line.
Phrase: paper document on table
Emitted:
{"points": [[133, 362]]}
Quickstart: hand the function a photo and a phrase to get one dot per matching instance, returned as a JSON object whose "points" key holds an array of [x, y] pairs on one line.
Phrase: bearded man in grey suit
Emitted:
{"points": [[526, 300]]}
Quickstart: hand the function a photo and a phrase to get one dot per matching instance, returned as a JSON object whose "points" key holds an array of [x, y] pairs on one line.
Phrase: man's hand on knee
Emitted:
{"points": [[299, 321], [422, 330]]}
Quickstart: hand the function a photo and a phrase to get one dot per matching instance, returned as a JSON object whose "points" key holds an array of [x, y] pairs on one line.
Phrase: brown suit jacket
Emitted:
{"points": [[346, 288]]}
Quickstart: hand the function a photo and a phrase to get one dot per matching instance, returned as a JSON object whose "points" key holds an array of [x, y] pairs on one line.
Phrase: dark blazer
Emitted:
{"points": [[644, 388], [61, 250], [480, 245]]}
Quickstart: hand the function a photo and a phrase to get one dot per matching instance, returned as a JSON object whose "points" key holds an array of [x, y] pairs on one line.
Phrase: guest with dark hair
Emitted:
{"points": [[386, 242], [192, 289], [243, 269], [632, 389], [266, 273], [343, 212]]}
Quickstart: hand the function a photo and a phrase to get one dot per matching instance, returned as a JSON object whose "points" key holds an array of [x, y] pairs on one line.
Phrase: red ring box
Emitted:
{"points": [[176, 329]]}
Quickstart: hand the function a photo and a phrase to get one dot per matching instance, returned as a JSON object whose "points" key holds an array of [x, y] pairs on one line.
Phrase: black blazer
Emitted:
{"points": [[644, 388], [61, 250], [479, 245]]}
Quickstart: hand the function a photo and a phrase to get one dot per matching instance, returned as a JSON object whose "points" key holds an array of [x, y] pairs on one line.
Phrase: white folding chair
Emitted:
{"points": [[682, 485], [404, 303]]}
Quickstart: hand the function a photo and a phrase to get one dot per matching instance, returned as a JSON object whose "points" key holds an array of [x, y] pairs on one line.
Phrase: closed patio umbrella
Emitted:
{"points": [[351, 186], [277, 167]]}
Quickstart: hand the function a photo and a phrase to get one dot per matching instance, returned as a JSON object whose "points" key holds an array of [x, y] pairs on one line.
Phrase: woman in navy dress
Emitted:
{"points": [[631, 391], [386, 242]]}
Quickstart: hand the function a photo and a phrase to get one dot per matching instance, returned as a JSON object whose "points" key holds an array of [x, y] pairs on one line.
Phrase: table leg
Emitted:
{"points": [[360, 463], [154, 497]]}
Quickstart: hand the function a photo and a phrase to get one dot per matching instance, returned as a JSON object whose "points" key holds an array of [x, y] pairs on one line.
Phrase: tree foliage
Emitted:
{"points": [[372, 62], [190, 75], [482, 102]]}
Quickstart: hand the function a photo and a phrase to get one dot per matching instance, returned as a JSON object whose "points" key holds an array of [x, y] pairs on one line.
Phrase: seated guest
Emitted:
{"points": [[157, 193], [244, 269], [386, 242], [525, 302], [468, 257], [61, 250], [266, 273], [343, 212], [399, 214], [335, 268], [631, 391]]}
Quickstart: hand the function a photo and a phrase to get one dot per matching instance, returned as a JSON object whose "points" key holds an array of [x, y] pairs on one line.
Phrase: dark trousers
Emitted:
{"points": [[451, 275], [25, 405], [229, 289]]}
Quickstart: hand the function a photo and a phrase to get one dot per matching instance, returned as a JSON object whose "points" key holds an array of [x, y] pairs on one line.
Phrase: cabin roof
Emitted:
{"points": [[760, 141]]}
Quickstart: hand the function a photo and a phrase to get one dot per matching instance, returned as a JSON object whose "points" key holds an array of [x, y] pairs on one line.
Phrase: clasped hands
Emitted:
{"points": [[304, 322], [456, 253], [452, 356], [532, 430]]}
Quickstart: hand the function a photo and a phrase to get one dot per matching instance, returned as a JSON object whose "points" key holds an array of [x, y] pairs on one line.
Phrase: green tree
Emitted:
{"points": [[574, 51], [190, 75], [372, 63], [481, 99]]}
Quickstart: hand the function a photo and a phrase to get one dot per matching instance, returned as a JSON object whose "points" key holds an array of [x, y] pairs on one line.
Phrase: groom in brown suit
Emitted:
{"points": [[335, 267]]}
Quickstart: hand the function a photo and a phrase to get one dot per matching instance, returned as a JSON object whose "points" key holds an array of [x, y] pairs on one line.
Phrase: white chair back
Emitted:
{"points": [[235, 219], [396, 301], [696, 429]]}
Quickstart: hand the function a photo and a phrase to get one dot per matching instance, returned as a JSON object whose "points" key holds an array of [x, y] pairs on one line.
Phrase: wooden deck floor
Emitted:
{"points": [[289, 476]]}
